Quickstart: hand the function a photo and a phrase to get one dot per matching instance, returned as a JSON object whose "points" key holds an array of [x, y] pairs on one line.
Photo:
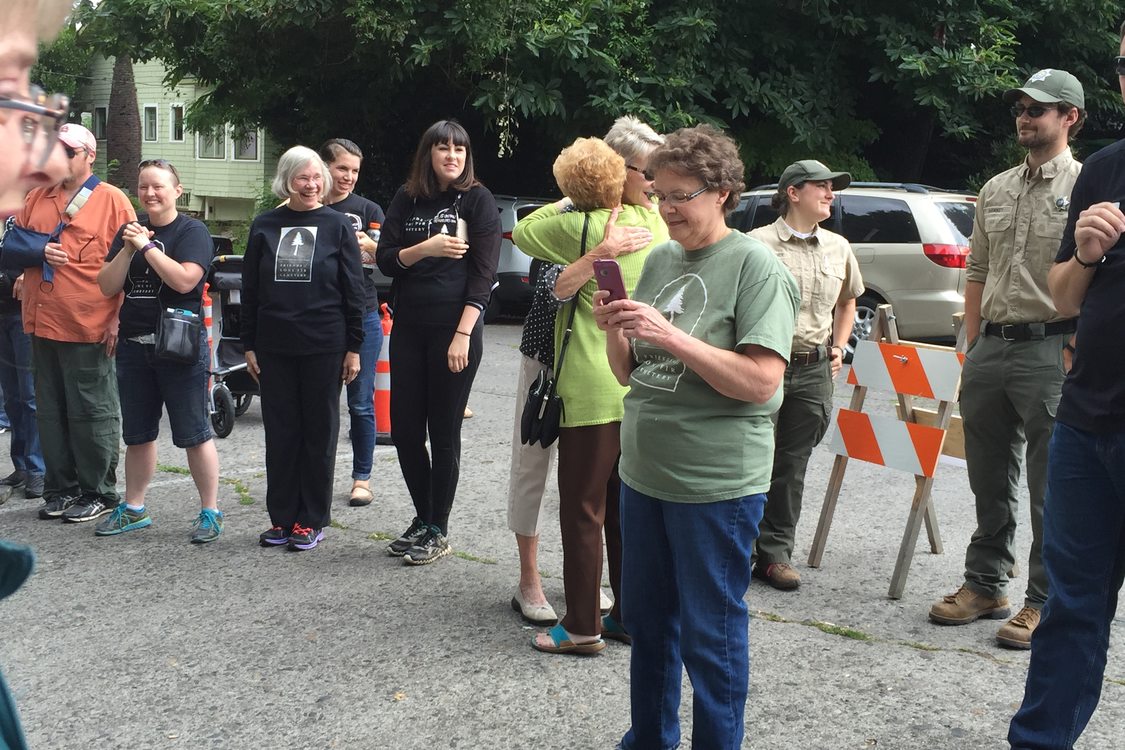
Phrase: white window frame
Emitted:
{"points": [[172, 122], [257, 147], [155, 109], [222, 132], [99, 132]]}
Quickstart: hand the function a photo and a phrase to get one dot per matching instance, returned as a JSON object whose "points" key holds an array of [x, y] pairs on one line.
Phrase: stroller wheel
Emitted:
{"points": [[242, 402], [222, 420]]}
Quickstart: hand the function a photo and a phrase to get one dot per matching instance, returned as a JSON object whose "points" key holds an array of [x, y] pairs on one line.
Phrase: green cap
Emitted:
{"points": [[1050, 86], [811, 169]]}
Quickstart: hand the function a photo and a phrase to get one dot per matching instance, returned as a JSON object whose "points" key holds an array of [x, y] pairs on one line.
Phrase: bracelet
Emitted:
{"points": [[464, 334], [150, 245], [1083, 263]]}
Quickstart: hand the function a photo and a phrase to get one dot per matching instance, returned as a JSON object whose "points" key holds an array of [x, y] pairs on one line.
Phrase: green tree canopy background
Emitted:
{"points": [[887, 89]]}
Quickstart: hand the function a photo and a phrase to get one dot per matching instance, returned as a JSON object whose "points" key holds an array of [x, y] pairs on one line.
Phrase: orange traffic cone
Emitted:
{"points": [[207, 322], [383, 383]]}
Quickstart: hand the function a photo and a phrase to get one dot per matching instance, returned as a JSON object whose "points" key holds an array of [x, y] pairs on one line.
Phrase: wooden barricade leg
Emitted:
{"points": [[918, 511]]}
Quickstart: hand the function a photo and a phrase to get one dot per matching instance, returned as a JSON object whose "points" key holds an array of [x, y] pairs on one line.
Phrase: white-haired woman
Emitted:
{"points": [[302, 328]]}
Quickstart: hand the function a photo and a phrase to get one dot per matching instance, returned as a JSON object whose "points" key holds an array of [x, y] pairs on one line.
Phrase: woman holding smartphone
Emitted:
{"points": [[440, 244]]}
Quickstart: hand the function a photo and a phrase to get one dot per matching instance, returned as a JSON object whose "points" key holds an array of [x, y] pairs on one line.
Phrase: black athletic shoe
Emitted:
{"points": [[398, 547], [430, 548], [303, 538], [87, 509], [274, 537], [33, 487], [55, 506], [16, 479]]}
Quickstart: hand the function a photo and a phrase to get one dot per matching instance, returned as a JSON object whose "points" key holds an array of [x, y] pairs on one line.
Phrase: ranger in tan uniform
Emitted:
{"points": [[827, 273], [1013, 373]]}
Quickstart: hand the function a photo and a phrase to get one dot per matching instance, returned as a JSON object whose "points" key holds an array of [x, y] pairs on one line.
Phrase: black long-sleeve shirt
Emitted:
{"points": [[434, 291], [302, 283]]}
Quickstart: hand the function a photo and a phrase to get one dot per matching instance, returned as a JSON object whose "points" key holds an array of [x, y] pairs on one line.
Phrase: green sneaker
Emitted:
{"points": [[207, 526], [121, 520]]}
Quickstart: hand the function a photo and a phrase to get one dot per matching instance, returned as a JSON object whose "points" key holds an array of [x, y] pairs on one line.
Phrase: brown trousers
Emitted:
{"points": [[589, 499]]}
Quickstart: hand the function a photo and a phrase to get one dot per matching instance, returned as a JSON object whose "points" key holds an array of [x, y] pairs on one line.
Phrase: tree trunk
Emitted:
{"points": [[123, 127]]}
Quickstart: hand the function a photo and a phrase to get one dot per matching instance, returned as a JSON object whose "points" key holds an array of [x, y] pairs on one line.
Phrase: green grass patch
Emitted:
{"points": [[920, 646], [769, 616], [169, 469], [1115, 682], [240, 489], [380, 536], [337, 525], [827, 627], [474, 558]]}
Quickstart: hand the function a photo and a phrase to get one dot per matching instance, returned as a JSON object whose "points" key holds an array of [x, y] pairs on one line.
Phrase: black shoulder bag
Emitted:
{"points": [[542, 413]]}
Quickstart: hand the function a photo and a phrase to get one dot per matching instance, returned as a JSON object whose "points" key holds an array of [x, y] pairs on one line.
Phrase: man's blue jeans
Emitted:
{"points": [[19, 394], [1084, 553], [685, 571], [361, 398]]}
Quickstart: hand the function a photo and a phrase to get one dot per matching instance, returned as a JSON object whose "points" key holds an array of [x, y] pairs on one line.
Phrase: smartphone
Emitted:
{"points": [[608, 275]]}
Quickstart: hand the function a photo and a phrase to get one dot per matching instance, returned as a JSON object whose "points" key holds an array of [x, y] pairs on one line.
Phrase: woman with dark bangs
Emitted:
{"points": [[440, 245]]}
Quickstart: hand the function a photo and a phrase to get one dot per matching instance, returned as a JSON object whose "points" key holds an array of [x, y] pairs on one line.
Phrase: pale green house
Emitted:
{"points": [[222, 172]]}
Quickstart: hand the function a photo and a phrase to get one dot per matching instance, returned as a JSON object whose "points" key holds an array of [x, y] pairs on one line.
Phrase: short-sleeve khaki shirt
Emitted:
{"points": [[1016, 234], [826, 272]]}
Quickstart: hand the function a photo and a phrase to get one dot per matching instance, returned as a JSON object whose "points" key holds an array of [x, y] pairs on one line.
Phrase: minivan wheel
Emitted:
{"points": [[492, 312], [865, 308]]}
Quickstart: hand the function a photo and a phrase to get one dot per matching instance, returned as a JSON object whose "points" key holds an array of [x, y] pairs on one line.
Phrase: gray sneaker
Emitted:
{"points": [[86, 509], [430, 548], [207, 526], [55, 506], [398, 547], [123, 519]]}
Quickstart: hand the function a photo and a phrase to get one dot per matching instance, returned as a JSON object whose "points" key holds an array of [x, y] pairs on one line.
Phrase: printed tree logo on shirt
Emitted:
{"points": [[295, 251], [683, 301], [143, 282]]}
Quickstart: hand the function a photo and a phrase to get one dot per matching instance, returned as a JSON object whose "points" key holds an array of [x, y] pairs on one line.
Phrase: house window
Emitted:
{"points": [[213, 144], [176, 124], [100, 120], [246, 146], [150, 122]]}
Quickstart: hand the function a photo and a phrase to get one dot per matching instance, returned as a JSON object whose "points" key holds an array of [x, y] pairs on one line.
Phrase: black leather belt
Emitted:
{"points": [[1030, 331], [802, 359]]}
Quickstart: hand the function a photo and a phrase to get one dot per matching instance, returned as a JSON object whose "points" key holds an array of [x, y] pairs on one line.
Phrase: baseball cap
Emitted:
{"points": [[811, 169], [1050, 86], [77, 137]]}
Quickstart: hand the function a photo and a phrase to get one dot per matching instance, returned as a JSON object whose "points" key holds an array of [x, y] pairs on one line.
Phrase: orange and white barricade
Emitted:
{"points": [[905, 444], [383, 382], [207, 321]]}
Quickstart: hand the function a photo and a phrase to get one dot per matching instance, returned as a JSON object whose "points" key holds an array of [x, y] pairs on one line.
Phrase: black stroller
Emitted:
{"points": [[232, 387]]}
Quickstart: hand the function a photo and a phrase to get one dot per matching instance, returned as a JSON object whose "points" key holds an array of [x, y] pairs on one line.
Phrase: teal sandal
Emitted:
{"points": [[614, 631], [562, 644]]}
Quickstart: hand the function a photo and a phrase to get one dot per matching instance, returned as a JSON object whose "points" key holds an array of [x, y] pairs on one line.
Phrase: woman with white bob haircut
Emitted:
{"points": [[302, 328]]}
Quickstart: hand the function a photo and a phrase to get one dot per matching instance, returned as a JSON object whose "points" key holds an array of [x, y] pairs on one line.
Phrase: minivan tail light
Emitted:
{"points": [[947, 256], [507, 236]]}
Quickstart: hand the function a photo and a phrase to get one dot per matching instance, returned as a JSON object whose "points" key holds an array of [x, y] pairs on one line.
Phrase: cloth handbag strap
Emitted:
{"points": [[76, 203], [573, 310]]}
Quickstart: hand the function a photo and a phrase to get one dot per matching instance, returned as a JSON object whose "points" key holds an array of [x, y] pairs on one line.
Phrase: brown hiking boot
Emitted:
{"points": [[1016, 632], [782, 576], [965, 605]]}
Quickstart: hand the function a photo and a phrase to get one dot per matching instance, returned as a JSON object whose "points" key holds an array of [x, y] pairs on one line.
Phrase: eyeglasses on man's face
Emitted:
{"points": [[642, 172], [1035, 111], [677, 197], [1119, 65], [42, 114]]}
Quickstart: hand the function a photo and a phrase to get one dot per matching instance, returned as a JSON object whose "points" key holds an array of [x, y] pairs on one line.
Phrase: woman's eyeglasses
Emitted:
{"points": [[1035, 111], [1119, 65], [49, 114], [678, 197], [642, 172]]}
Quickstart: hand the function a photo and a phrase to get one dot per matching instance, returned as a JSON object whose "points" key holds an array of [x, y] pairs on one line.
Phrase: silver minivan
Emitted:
{"points": [[912, 242]]}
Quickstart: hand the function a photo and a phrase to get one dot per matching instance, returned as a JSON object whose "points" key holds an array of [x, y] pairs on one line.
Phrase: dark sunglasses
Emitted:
{"points": [[1119, 65], [642, 172], [1035, 111], [71, 152]]}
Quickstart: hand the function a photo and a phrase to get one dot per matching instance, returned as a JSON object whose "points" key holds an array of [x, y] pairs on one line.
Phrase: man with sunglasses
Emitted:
{"points": [[73, 330], [1013, 371], [1084, 519]]}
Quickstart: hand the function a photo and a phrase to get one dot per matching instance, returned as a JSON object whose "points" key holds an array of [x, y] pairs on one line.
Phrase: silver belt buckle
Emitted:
{"points": [[145, 338]]}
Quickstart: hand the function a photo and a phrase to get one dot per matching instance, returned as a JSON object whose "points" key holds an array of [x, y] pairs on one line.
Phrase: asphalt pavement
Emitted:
{"points": [[147, 641]]}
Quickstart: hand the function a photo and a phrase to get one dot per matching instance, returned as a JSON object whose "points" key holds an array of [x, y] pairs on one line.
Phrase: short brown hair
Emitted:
{"points": [[422, 182], [333, 148], [590, 173], [707, 153]]}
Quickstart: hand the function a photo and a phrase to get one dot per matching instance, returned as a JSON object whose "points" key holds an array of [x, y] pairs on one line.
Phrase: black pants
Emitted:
{"points": [[301, 416], [427, 397]]}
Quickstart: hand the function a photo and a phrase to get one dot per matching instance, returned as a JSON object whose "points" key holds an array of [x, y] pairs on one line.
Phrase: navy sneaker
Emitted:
{"points": [[274, 537], [302, 537], [207, 526], [88, 508]]}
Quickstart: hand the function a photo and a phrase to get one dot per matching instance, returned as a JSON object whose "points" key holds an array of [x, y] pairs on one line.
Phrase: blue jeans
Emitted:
{"points": [[19, 394], [685, 570], [361, 398], [1084, 553]]}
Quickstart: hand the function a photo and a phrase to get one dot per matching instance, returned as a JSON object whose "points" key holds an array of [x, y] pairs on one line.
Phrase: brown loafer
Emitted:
{"points": [[360, 496]]}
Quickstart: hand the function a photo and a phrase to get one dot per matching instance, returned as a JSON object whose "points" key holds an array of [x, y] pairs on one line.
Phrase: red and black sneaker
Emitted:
{"points": [[274, 537], [302, 537]]}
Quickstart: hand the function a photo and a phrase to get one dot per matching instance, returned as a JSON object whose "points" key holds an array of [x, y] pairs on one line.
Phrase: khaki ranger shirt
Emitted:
{"points": [[826, 272], [1016, 235]]}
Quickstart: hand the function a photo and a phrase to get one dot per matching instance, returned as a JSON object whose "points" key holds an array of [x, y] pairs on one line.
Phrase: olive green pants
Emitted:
{"points": [[1009, 393], [799, 425]]}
